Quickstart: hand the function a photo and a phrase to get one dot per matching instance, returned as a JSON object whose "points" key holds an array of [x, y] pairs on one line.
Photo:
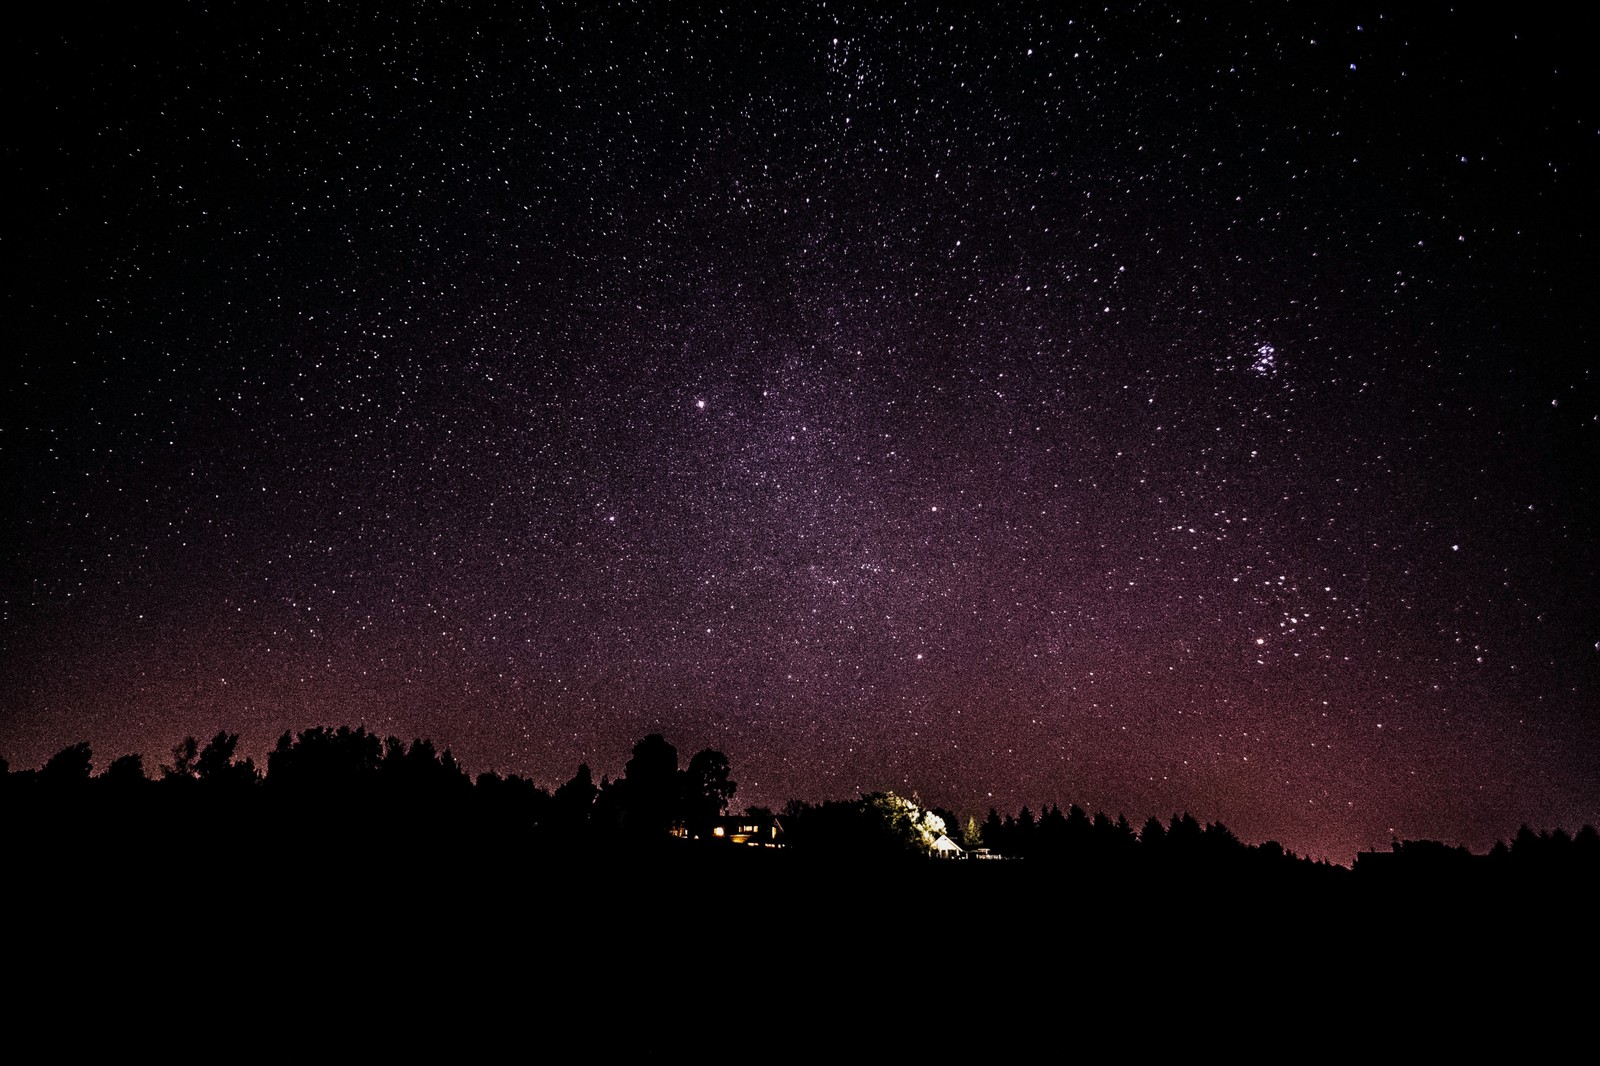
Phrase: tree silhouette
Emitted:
{"points": [[993, 831], [1184, 837], [326, 760], [1218, 849], [184, 754], [217, 768], [68, 767], [127, 771], [1052, 838], [649, 791], [507, 807], [706, 790], [1586, 845], [572, 804]]}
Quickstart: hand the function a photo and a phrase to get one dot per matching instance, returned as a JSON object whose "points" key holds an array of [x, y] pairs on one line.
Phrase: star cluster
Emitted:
{"points": [[1159, 409]]}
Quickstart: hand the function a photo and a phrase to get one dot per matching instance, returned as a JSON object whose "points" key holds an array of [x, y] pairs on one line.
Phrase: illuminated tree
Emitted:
{"points": [[904, 822], [930, 826]]}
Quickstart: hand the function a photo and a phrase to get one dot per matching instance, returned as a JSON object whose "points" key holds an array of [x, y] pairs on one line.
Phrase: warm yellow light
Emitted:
{"points": [[717, 831]]}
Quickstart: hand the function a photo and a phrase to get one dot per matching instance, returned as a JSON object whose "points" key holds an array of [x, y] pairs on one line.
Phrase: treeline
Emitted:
{"points": [[350, 795], [1550, 856], [1075, 839], [1057, 836], [349, 792]]}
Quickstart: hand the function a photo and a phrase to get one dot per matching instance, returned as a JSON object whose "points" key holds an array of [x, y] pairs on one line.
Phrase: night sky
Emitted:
{"points": [[1162, 408]]}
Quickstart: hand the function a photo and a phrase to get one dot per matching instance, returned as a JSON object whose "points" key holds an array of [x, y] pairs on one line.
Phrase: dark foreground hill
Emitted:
{"points": [[454, 947]]}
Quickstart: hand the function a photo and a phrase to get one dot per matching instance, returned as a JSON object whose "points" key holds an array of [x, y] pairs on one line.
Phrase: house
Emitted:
{"points": [[945, 848], [751, 830]]}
